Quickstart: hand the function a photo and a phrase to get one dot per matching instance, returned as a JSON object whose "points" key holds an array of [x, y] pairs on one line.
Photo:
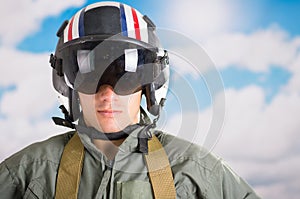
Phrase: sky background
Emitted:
{"points": [[254, 45]]}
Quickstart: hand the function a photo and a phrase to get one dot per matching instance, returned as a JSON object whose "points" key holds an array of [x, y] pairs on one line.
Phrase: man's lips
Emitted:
{"points": [[109, 113]]}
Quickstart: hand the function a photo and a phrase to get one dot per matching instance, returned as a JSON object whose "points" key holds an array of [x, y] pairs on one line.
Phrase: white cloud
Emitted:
{"points": [[294, 82], [190, 125], [21, 18], [201, 18], [31, 74], [260, 139], [19, 133], [24, 109], [256, 51], [15, 64], [273, 178], [190, 61], [212, 22], [269, 128]]}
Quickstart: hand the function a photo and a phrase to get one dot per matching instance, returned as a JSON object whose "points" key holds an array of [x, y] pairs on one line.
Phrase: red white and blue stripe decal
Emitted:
{"points": [[75, 28], [132, 22]]}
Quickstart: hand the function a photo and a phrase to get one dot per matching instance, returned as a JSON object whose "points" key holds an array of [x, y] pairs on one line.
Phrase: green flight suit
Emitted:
{"points": [[32, 172]]}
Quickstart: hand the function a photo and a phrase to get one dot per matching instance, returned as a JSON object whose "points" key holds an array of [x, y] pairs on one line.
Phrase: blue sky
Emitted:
{"points": [[281, 12], [254, 45]]}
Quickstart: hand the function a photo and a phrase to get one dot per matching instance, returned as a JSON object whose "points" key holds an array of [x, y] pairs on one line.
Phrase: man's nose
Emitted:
{"points": [[106, 93]]}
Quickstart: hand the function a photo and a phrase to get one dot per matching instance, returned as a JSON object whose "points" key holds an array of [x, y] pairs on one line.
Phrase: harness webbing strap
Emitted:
{"points": [[159, 169], [70, 167]]}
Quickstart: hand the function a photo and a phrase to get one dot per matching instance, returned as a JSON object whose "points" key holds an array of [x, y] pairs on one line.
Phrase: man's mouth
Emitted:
{"points": [[109, 113]]}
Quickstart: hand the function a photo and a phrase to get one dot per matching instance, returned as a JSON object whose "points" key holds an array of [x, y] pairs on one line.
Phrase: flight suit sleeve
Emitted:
{"points": [[226, 184], [9, 188]]}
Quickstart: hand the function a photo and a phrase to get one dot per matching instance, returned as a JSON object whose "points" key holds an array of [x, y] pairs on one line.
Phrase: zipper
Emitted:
{"points": [[105, 179]]}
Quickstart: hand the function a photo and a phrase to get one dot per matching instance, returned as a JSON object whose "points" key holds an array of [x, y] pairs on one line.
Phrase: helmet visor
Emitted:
{"points": [[125, 67]]}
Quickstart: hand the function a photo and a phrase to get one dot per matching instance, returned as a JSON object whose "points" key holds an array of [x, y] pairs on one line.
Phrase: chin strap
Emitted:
{"points": [[96, 134]]}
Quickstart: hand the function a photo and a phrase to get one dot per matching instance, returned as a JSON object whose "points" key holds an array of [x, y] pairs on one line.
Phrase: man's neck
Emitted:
{"points": [[108, 147]]}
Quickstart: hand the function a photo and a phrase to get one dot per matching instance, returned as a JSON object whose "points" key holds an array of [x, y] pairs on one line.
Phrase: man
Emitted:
{"points": [[107, 57]]}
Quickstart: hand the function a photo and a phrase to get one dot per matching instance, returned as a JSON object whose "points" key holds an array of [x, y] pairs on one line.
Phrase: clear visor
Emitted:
{"points": [[121, 65]]}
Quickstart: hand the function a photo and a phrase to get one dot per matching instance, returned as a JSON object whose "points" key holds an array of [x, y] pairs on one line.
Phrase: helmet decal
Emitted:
{"points": [[132, 23], [75, 28]]}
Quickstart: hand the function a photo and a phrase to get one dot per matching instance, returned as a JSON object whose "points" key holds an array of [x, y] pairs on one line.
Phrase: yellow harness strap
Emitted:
{"points": [[70, 168], [160, 172], [69, 171]]}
